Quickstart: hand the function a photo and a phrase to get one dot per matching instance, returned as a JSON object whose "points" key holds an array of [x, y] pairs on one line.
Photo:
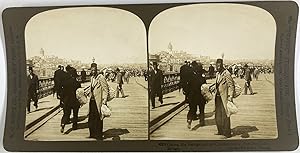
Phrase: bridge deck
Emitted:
{"points": [[129, 120], [44, 105], [256, 118], [170, 100]]}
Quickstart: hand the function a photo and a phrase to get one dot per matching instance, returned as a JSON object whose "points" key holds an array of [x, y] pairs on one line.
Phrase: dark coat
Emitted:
{"points": [[70, 85], [185, 76], [59, 76], [211, 70], [196, 82], [248, 74], [33, 83], [119, 78], [83, 75], [155, 80]]}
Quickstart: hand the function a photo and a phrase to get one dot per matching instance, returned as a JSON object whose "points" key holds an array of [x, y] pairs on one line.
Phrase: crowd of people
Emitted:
{"points": [[66, 83], [193, 76]]}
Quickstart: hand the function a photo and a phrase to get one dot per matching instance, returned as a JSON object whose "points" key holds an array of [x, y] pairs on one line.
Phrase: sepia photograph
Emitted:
{"points": [[211, 73], [86, 75], [174, 77]]}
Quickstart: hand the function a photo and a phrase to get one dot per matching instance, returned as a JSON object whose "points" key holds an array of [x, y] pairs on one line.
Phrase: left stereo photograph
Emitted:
{"points": [[85, 71]]}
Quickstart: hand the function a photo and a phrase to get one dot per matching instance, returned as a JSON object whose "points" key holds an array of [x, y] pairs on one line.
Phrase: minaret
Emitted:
{"points": [[170, 47], [42, 52]]}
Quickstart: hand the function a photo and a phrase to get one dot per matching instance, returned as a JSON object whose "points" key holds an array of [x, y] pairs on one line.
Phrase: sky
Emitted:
{"points": [[239, 31], [114, 36], [111, 36]]}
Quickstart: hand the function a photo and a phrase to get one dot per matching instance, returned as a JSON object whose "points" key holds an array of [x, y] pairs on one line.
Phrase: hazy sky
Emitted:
{"points": [[238, 31], [109, 35]]}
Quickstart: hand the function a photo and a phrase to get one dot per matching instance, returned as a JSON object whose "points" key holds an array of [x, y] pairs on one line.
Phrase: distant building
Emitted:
{"points": [[172, 60], [42, 52]]}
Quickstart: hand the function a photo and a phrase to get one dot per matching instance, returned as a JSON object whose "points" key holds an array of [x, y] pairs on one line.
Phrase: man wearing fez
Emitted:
{"points": [[99, 90], [155, 81], [224, 93], [33, 86]]}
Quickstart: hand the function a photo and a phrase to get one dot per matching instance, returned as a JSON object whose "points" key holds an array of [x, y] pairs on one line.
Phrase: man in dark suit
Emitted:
{"points": [[57, 81], [211, 71], [145, 75], [155, 81], [59, 76], [120, 82], [195, 97], [33, 86], [185, 74], [248, 79], [83, 75], [70, 85]]}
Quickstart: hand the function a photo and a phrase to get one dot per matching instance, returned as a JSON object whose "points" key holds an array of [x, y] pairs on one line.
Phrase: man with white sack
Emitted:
{"points": [[99, 96], [224, 94]]}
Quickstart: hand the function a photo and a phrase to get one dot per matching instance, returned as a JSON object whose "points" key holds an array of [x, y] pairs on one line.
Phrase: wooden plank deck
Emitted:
{"points": [[170, 100], [129, 120], [256, 118], [44, 105]]}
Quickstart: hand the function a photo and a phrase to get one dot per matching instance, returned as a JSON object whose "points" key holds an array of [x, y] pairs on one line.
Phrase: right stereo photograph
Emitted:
{"points": [[211, 73]]}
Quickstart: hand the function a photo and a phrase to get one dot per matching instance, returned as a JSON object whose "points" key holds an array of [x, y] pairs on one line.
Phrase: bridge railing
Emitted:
{"points": [[171, 81], [46, 86]]}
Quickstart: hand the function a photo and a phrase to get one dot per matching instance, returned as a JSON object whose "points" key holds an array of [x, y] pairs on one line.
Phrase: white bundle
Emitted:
{"points": [[81, 96], [105, 111], [232, 108]]}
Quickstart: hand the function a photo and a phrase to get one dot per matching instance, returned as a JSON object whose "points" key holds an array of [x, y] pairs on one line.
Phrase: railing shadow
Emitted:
{"points": [[168, 97], [40, 109], [168, 104], [45, 101]]}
